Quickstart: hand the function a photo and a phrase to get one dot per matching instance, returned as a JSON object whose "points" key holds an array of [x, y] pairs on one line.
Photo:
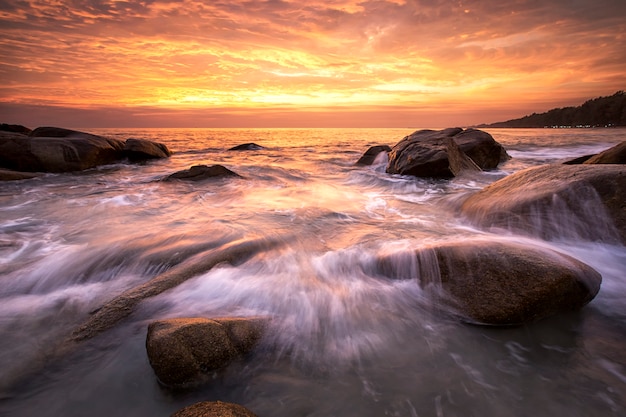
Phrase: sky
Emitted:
{"points": [[289, 63]]}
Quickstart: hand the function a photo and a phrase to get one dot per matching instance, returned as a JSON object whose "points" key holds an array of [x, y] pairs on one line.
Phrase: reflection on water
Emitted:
{"points": [[345, 340]]}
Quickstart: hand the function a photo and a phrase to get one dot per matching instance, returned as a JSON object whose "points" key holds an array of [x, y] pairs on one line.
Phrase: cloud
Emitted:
{"points": [[295, 54]]}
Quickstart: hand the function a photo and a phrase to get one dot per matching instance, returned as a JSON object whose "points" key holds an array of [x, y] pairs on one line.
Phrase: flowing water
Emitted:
{"points": [[343, 341]]}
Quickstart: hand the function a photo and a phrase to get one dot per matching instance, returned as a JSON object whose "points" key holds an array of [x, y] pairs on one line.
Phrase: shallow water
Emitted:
{"points": [[345, 341]]}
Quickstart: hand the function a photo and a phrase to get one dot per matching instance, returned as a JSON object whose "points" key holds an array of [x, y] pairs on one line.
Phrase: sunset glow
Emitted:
{"points": [[296, 63]]}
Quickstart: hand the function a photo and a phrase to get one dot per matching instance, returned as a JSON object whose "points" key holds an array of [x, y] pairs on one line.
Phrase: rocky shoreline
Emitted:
{"points": [[479, 281]]}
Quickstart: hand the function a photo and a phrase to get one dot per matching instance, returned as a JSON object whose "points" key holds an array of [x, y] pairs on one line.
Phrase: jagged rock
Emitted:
{"points": [[201, 173], [370, 155], [614, 155], [430, 154], [182, 351], [214, 409], [247, 147], [141, 150], [498, 283], [585, 201]]}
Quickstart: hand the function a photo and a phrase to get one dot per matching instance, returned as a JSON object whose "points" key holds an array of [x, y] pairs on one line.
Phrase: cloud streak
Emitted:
{"points": [[282, 54]]}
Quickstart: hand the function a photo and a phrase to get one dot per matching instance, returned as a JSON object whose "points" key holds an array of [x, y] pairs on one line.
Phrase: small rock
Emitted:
{"points": [[370, 155], [201, 173], [141, 150], [247, 147]]}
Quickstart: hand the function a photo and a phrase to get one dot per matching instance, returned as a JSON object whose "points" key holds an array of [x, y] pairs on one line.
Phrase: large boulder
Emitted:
{"points": [[141, 150], [500, 283], [370, 155], [482, 148], [183, 351], [430, 154], [556, 201], [614, 155], [214, 409], [201, 173], [54, 149]]}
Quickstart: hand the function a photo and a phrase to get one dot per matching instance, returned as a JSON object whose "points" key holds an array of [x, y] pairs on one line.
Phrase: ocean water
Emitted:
{"points": [[343, 341]]}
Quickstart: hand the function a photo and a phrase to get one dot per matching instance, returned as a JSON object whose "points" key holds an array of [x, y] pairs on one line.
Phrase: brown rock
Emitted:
{"points": [[482, 148], [370, 155], [141, 150], [214, 409], [580, 201], [8, 175], [182, 351], [201, 173], [429, 154], [614, 155], [247, 147]]}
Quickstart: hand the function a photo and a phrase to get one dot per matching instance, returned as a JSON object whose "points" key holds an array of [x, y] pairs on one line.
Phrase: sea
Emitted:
{"points": [[343, 340]]}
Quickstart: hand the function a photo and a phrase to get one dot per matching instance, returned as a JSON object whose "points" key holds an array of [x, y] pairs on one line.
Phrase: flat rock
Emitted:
{"points": [[182, 351], [214, 409], [201, 173], [553, 201]]}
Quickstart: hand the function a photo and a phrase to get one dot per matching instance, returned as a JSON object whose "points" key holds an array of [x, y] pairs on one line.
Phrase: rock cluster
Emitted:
{"points": [[54, 149]]}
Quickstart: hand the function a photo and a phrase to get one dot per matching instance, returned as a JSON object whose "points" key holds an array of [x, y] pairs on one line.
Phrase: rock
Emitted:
{"points": [[14, 128], [614, 155], [247, 147], [201, 173], [500, 283], [571, 201], [8, 175], [482, 148], [429, 154], [370, 155], [182, 351], [141, 150], [214, 409]]}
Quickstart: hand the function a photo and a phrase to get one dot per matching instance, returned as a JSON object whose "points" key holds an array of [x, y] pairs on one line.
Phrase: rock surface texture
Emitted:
{"points": [[182, 351], [444, 153], [584, 201], [214, 409]]}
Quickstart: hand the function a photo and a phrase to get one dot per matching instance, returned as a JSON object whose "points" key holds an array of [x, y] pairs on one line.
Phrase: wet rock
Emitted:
{"points": [[551, 201], [495, 282], [614, 155], [54, 149], [482, 148], [141, 150], [430, 154], [14, 128], [247, 147], [8, 175], [201, 173], [370, 155], [214, 409], [182, 351]]}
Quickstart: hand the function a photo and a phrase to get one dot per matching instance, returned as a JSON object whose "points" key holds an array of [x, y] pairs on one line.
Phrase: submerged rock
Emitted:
{"points": [[182, 351], [201, 173], [575, 201], [8, 175], [370, 155], [247, 147], [214, 409], [500, 283], [54, 149], [430, 154]]}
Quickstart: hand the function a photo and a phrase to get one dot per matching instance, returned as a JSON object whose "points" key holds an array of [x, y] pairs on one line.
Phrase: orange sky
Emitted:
{"points": [[283, 63]]}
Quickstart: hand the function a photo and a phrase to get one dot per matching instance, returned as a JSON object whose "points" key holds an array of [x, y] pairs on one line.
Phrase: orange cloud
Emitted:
{"points": [[452, 60]]}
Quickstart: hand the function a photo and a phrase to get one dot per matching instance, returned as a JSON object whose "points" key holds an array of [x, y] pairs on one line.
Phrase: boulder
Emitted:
{"points": [[247, 147], [614, 155], [482, 148], [429, 154], [54, 149], [182, 351], [214, 409], [141, 150], [500, 283], [554, 201], [14, 128], [201, 173], [370, 155]]}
